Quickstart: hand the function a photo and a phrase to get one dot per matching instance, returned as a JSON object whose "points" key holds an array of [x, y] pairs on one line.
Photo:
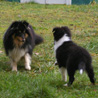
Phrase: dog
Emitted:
{"points": [[19, 41], [71, 57]]}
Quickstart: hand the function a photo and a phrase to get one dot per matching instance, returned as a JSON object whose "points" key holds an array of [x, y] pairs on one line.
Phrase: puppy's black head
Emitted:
{"points": [[67, 31], [59, 32]]}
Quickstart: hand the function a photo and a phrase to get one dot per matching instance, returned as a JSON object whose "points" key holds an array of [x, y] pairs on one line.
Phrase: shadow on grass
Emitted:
{"points": [[5, 66], [54, 88], [82, 85], [44, 92]]}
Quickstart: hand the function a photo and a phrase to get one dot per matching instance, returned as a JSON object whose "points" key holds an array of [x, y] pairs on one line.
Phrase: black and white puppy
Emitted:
{"points": [[71, 57], [19, 41]]}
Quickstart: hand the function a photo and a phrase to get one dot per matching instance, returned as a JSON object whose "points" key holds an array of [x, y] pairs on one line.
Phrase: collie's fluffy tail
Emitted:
{"points": [[38, 39], [81, 67]]}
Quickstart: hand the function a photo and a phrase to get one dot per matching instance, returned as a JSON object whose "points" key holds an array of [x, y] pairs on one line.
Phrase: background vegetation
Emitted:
{"points": [[44, 80]]}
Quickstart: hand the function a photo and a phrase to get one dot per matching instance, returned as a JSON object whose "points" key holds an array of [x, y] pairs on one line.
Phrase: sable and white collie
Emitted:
{"points": [[71, 57], [19, 41]]}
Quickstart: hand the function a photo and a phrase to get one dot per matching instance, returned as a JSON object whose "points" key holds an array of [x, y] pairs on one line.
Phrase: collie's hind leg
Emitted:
{"points": [[27, 61], [13, 65], [64, 73], [90, 73]]}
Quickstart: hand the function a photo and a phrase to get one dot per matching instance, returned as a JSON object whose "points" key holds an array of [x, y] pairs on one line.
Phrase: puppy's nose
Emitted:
{"points": [[23, 40]]}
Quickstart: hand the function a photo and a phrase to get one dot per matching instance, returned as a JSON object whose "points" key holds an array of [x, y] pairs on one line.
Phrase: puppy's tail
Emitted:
{"points": [[81, 67], [38, 39]]}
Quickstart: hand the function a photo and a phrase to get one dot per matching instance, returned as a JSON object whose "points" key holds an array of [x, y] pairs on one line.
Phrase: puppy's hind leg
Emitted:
{"points": [[27, 61], [71, 77], [71, 73], [64, 73]]}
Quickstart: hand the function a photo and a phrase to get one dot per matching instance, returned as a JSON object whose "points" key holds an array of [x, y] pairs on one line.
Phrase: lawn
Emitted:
{"points": [[44, 80]]}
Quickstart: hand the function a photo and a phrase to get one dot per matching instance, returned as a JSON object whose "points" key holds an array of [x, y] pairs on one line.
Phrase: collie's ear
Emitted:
{"points": [[14, 24], [11, 27], [25, 23], [9, 30]]}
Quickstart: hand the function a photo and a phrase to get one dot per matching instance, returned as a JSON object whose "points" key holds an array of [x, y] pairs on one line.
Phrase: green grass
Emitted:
{"points": [[44, 80]]}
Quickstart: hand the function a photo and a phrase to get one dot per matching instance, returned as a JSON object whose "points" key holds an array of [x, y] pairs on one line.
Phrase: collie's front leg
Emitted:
{"points": [[13, 65], [27, 61]]}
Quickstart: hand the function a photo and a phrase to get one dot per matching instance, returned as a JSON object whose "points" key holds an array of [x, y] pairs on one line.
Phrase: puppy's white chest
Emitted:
{"points": [[58, 43]]}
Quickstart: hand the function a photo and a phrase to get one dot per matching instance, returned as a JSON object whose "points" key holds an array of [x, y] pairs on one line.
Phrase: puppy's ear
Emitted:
{"points": [[58, 32], [66, 30], [53, 30], [56, 29]]}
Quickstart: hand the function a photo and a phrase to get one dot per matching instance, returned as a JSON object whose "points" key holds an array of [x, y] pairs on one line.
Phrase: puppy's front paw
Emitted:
{"points": [[66, 84], [56, 63]]}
